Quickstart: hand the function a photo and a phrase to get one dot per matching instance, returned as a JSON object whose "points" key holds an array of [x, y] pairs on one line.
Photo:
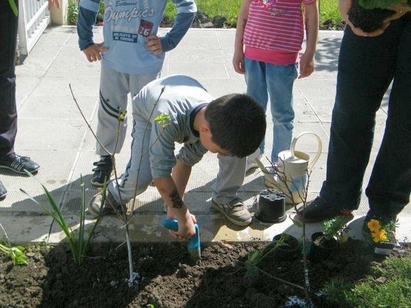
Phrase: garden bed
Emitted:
{"points": [[168, 279]]}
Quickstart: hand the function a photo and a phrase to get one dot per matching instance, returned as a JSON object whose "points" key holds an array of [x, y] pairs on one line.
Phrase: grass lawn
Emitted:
{"points": [[229, 9]]}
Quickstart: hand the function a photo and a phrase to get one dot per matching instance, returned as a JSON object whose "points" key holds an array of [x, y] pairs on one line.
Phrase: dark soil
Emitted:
{"points": [[168, 279], [368, 20]]}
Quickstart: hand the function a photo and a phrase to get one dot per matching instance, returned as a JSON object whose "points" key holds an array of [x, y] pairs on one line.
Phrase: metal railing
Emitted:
{"points": [[34, 17]]}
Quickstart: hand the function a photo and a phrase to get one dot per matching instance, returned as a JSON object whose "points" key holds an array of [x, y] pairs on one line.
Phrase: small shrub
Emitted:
{"points": [[72, 13]]}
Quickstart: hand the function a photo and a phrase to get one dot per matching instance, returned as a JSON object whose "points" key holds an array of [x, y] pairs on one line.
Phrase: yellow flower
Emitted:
{"points": [[374, 225], [379, 236]]}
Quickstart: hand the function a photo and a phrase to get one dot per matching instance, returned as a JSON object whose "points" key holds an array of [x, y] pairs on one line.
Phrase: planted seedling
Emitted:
{"points": [[15, 253]]}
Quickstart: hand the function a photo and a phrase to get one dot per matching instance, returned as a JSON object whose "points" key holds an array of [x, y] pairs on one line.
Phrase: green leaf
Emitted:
{"points": [[122, 115], [296, 222], [163, 119], [252, 270], [15, 253], [255, 256], [17, 256]]}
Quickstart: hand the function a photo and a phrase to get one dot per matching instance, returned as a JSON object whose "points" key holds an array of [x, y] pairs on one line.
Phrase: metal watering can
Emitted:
{"points": [[291, 173]]}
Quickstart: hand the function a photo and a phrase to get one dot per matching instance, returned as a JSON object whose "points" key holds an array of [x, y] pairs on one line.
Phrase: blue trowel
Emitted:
{"points": [[194, 244]]}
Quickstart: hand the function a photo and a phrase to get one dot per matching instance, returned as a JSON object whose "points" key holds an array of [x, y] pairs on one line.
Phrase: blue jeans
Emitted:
{"points": [[366, 68], [275, 82]]}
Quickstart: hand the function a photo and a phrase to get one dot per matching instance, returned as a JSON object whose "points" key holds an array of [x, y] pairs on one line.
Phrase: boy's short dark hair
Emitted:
{"points": [[237, 123]]}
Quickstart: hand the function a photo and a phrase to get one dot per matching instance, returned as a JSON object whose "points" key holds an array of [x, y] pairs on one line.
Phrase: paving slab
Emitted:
{"points": [[52, 132]]}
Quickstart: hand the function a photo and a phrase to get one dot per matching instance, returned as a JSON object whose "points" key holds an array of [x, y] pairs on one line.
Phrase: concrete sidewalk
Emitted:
{"points": [[53, 133]]}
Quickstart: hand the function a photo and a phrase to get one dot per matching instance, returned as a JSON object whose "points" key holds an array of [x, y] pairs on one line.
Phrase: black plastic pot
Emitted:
{"points": [[271, 206], [288, 250], [321, 247]]}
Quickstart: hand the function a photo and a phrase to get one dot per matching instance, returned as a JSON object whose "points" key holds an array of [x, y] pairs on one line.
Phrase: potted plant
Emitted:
{"points": [[324, 242], [383, 236], [370, 15], [284, 246]]}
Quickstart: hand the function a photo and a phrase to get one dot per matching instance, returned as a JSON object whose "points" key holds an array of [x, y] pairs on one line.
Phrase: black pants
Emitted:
{"points": [[366, 67], [8, 110]]}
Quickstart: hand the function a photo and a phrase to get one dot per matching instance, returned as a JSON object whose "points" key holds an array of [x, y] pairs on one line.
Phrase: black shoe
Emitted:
{"points": [[3, 191], [110, 206], [18, 164], [319, 210], [102, 171]]}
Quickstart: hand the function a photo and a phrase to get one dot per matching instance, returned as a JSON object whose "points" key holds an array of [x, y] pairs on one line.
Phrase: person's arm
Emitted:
{"points": [[400, 8], [181, 174], [307, 62], [85, 22], [186, 11], [53, 3], [87, 14], [238, 57], [175, 205]]}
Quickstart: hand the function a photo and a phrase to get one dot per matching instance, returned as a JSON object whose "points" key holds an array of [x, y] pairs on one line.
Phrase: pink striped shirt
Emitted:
{"points": [[275, 31]]}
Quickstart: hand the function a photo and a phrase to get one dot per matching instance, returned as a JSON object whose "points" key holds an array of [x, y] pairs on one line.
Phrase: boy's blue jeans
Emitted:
{"points": [[275, 82], [366, 68]]}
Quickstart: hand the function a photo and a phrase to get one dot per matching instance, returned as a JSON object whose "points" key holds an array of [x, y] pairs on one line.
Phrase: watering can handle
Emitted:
{"points": [[319, 148]]}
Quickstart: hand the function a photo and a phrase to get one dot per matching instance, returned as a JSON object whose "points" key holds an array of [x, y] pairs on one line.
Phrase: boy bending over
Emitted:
{"points": [[232, 126]]}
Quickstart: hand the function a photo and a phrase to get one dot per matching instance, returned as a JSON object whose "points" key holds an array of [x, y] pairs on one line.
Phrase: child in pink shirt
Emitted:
{"points": [[268, 40]]}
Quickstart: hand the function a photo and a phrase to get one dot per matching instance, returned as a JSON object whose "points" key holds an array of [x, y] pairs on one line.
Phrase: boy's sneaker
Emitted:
{"points": [[102, 171], [110, 206], [235, 211], [3, 191], [319, 210], [18, 164]]}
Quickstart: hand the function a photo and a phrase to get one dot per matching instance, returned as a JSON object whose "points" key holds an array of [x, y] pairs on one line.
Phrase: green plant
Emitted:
{"points": [[77, 241], [287, 186], [336, 228], [329, 11], [370, 292], [380, 233], [72, 12], [256, 256], [100, 14], [164, 121], [15, 253]]}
